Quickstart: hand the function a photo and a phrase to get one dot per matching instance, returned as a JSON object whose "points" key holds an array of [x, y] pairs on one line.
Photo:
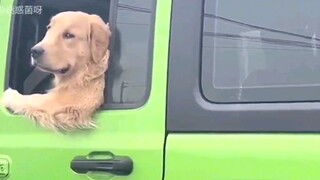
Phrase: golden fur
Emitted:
{"points": [[78, 93]]}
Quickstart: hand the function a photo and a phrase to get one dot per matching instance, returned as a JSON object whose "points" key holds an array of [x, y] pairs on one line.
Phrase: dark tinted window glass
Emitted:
{"points": [[132, 51], [261, 51]]}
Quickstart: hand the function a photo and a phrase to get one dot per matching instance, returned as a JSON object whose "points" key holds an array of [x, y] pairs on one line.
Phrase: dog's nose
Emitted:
{"points": [[36, 52]]}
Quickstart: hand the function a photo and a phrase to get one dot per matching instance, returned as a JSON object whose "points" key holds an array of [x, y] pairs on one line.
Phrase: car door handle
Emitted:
{"points": [[117, 165]]}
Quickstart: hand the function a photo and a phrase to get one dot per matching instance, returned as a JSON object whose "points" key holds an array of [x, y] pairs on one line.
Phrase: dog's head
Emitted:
{"points": [[73, 41]]}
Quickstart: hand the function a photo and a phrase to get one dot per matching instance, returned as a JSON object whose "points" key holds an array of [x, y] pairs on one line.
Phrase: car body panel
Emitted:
{"points": [[242, 156], [139, 133]]}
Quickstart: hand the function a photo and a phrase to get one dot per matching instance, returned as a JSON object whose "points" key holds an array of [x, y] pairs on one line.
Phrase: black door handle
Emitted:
{"points": [[117, 165]]}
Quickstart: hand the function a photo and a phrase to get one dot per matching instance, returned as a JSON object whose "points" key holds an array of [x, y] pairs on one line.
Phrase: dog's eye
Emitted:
{"points": [[68, 35], [48, 27]]}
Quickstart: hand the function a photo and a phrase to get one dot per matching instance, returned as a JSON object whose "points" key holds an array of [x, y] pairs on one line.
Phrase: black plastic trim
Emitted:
{"points": [[9, 50], [118, 165], [189, 111]]}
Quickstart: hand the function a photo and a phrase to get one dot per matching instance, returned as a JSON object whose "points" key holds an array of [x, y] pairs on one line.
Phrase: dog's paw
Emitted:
{"points": [[9, 97]]}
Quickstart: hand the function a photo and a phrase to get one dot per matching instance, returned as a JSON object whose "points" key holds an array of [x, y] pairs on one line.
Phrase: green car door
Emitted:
{"points": [[243, 90], [131, 124]]}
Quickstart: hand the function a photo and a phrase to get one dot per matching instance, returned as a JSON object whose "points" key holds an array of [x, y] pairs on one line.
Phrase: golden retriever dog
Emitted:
{"points": [[75, 50]]}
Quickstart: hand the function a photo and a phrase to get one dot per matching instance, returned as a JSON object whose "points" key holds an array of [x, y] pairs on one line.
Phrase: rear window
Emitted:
{"points": [[261, 51]]}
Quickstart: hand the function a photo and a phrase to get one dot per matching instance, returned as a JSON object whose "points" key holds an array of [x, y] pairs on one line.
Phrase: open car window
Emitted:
{"points": [[128, 78]]}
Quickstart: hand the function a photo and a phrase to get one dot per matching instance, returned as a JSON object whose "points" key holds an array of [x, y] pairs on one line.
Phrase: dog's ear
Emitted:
{"points": [[99, 35]]}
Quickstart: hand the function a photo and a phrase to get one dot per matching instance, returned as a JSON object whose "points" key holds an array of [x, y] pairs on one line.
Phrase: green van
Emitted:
{"points": [[196, 89]]}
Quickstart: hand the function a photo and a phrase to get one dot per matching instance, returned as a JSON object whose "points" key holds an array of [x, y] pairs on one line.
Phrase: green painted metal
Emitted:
{"points": [[242, 156], [36, 153]]}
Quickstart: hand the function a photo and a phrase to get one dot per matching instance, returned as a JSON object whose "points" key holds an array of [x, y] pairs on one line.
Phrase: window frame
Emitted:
{"points": [[275, 93], [112, 22], [138, 104], [189, 111]]}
